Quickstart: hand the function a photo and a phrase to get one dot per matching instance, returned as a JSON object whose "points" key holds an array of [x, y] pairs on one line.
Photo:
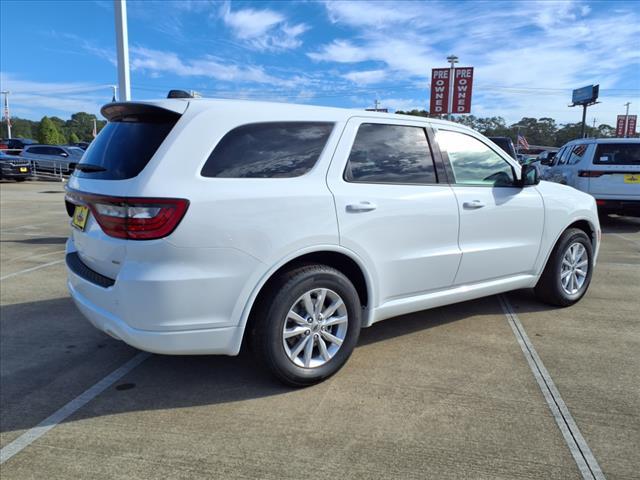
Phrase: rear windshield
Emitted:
{"points": [[125, 145], [617, 154]]}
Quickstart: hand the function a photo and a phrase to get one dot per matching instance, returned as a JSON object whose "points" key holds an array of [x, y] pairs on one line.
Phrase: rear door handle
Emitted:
{"points": [[473, 205], [361, 207]]}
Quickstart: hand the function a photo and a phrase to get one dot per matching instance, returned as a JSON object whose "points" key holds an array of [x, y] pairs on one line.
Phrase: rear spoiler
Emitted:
{"points": [[164, 108]]}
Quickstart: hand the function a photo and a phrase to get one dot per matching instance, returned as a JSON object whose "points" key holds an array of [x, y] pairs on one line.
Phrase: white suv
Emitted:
{"points": [[607, 168], [199, 223]]}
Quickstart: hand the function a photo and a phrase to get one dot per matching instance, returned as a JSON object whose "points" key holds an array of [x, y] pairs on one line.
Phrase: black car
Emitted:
{"points": [[14, 167], [16, 144], [506, 144]]}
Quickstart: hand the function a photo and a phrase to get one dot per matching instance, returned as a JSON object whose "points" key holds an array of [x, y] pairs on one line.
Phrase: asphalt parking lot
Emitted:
{"points": [[445, 393]]}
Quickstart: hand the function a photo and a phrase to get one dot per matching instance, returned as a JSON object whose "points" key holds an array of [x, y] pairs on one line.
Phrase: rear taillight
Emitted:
{"points": [[590, 173], [131, 217]]}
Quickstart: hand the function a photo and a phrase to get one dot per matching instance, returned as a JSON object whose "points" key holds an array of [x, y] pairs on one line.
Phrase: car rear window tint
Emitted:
{"points": [[390, 154], [617, 154], [125, 145], [268, 150]]}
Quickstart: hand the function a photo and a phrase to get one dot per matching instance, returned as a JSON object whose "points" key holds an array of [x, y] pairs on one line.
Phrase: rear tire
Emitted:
{"points": [[307, 325], [564, 280]]}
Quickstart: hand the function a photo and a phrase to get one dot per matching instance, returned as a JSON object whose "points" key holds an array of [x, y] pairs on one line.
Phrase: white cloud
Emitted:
{"points": [[31, 98], [156, 62], [366, 77], [369, 14], [263, 29]]}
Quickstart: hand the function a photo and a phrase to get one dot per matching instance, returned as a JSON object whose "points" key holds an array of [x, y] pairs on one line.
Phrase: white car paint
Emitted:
{"points": [[419, 247]]}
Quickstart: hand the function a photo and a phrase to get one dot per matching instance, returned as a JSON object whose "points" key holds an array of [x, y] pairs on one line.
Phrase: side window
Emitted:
{"points": [[577, 153], [36, 150], [268, 150], [564, 155], [390, 154], [473, 162]]}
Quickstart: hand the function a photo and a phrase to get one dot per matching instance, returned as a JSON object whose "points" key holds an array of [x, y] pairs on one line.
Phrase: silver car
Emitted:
{"points": [[53, 158]]}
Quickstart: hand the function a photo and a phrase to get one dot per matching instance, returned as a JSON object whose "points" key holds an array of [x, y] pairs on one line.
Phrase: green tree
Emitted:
{"points": [[49, 133], [73, 138]]}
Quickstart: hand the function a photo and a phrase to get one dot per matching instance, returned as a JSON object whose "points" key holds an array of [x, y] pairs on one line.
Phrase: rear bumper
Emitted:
{"points": [[185, 342], [182, 301], [623, 207]]}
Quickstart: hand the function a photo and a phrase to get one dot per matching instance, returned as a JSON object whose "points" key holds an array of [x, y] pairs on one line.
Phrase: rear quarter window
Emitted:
{"points": [[617, 154], [268, 150]]}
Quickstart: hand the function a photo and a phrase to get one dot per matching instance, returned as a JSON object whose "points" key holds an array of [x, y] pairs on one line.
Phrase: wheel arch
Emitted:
{"points": [[334, 256], [584, 224]]}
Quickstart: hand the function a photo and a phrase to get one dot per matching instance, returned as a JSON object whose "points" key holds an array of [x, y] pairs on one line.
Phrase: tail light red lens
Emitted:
{"points": [[590, 173], [133, 218]]}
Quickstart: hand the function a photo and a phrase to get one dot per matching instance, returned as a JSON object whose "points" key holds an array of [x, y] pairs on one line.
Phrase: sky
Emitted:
{"points": [[58, 57]]}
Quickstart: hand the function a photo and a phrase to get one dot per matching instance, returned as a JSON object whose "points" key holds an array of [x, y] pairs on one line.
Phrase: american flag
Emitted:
{"points": [[522, 142]]}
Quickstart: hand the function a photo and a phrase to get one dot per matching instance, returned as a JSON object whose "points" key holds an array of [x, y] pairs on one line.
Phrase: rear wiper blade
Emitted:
{"points": [[89, 167]]}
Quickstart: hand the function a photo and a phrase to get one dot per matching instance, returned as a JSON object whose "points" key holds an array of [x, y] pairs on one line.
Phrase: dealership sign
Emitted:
{"points": [[443, 87], [462, 85], [626, 125], [440, 90]]}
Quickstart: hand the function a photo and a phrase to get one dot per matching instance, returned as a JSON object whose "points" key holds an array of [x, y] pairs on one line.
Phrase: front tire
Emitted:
{"points": [[307, 325], [567, 275]]}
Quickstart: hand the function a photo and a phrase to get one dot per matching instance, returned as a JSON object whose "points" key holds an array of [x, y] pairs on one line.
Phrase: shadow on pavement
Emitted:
{"points": [[39, 241], [616, 224], [43, 371]]}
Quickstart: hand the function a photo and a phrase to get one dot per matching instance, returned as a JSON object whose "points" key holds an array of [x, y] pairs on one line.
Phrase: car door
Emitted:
{"points": [[393, 211], [500, 223]]}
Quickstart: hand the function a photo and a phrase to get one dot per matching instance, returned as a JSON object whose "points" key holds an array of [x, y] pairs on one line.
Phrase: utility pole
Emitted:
{"points": [[626, 118], [594, 122], [113, 97], [122, 46], [376, 103], [452, 59], [7, 117]]}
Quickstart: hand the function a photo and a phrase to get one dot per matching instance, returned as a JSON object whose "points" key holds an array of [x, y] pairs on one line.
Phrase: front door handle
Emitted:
{"points": [[473, 205], [361, 207]]}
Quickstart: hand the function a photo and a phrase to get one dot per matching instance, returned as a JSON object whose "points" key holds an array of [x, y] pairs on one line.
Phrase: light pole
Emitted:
{"points": [[626, 119], [452, 59], [7, 117], [122, 45]]}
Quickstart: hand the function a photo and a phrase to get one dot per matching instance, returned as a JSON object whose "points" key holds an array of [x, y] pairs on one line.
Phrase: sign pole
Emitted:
{"points": [[584, 120], [626, 119], [452, 59], [122, 44]]}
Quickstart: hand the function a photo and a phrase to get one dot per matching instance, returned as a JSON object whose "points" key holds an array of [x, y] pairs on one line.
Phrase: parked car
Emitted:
{"points": [[16, 144], [506, 144], [49, 158], [14, 167], [82, 145], [293, 226], [607, 168]]}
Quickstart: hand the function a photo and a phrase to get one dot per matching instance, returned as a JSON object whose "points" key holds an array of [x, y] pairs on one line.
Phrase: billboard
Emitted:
{"points": [[462, 86], [439, 90], [586, 94]]}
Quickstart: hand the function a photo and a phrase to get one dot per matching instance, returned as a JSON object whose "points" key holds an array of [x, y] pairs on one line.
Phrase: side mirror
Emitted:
{"points": [[64, 154], [529, 175], [546, 161]]}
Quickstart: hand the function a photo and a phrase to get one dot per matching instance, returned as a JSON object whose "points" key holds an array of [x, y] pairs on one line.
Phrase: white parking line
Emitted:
{"points": [[581, 452], [70, 408], [32, 269]]}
